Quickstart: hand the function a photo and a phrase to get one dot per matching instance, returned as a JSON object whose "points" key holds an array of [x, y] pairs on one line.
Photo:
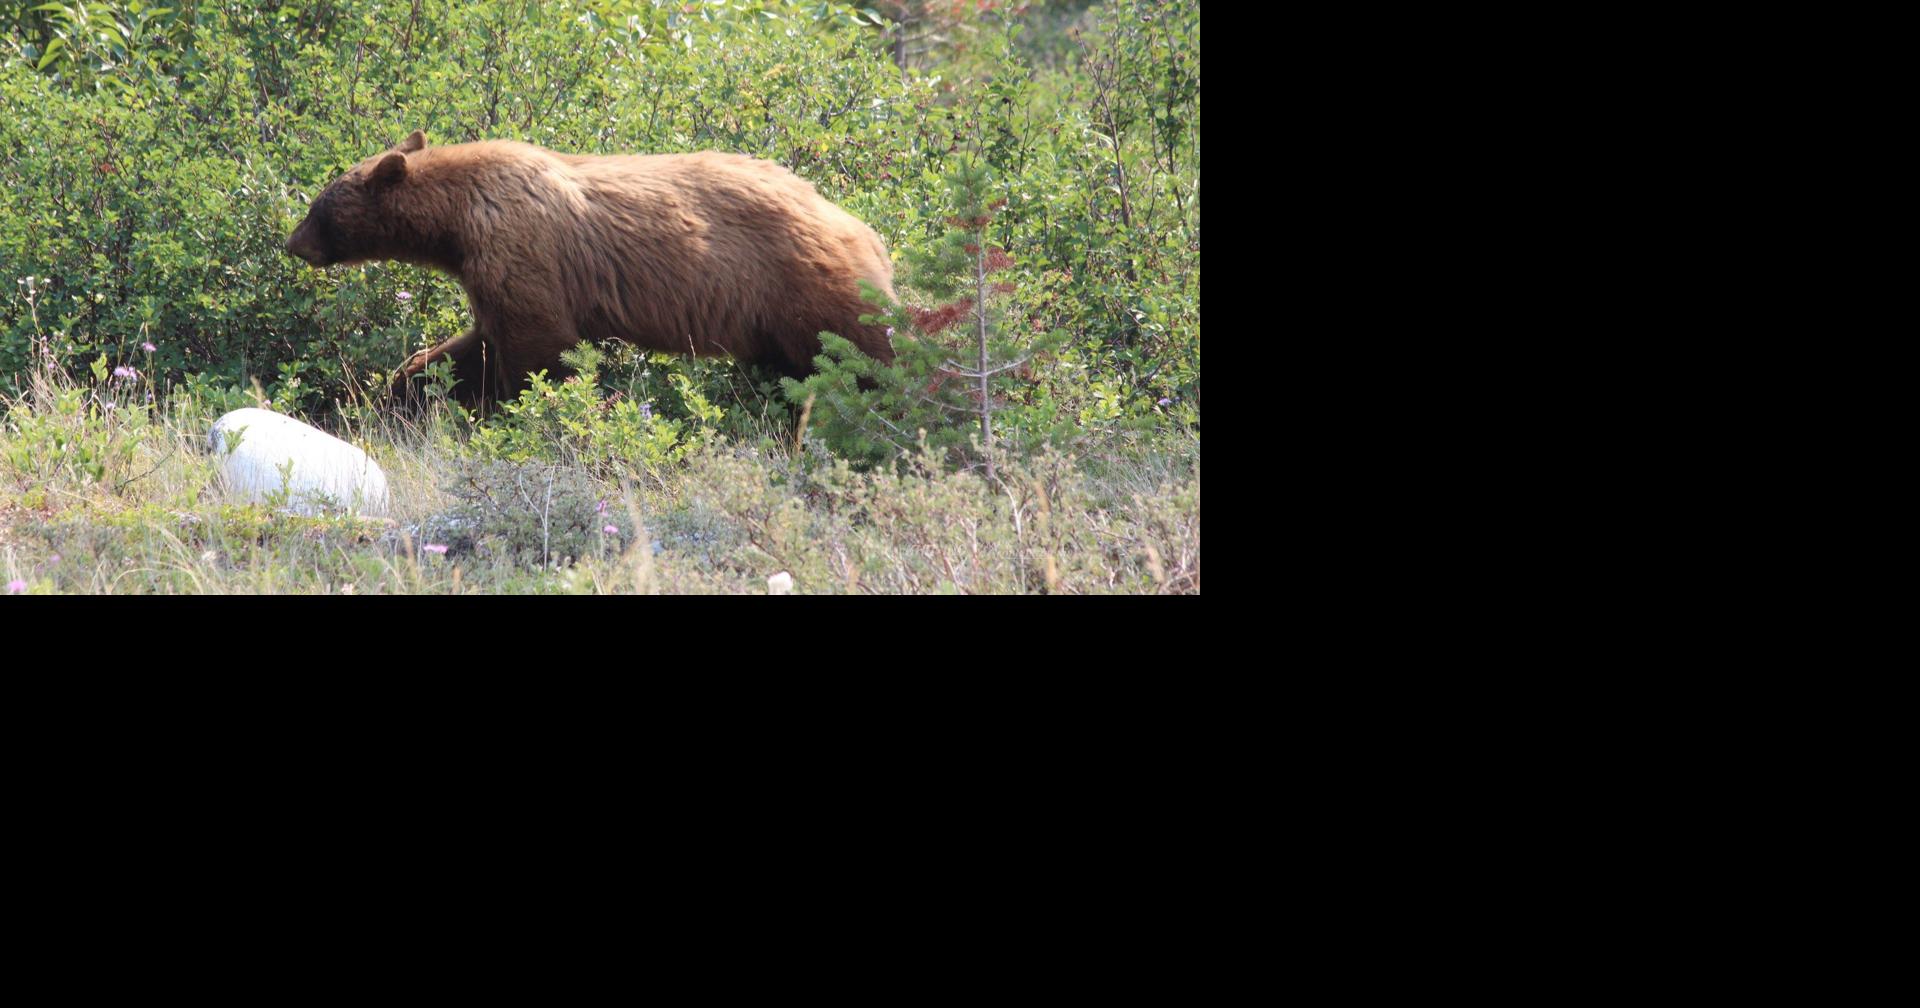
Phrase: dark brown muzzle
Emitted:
{"points": [[303, 246]]}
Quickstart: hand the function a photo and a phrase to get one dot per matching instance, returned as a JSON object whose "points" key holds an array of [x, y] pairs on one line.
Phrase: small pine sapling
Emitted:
{"points": [[940, 390]]}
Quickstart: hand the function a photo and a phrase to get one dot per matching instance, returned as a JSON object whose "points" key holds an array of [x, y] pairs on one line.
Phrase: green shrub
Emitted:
{"points": [[574, 422]]}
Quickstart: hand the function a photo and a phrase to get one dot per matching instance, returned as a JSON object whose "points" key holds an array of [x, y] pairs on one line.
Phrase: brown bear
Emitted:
{"points": [[694, 253]]}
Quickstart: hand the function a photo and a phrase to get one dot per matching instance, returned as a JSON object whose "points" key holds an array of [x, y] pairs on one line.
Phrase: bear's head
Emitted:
{"points": [[350, 221]]}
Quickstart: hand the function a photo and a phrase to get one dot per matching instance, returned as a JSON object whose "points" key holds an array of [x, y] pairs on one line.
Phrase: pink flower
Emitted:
{"points": [[434, 548], [125, 372], [16, 586], [403, 296], [148, 347], [611, 530]]}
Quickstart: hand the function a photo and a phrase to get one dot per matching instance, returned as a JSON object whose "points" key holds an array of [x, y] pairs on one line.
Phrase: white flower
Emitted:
{"points": [[780, 584]]}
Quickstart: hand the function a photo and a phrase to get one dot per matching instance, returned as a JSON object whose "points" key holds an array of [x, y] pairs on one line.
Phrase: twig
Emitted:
{"points": [[122, 485], [955, 369]]}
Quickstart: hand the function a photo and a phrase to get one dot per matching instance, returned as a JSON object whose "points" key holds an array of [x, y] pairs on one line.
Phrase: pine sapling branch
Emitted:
{"points": [[959, 370]]}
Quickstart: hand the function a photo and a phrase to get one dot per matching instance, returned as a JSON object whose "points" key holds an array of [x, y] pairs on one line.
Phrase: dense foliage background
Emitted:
{"points": [[157, 155], [1034, 168]]}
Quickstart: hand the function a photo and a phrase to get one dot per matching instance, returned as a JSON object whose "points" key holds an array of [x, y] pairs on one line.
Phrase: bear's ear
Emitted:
{"points": [[391, 169], [417, 140]]}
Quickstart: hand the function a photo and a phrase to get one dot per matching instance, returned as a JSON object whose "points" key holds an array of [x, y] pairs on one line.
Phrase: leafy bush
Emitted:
{"points": [[575, 423]]}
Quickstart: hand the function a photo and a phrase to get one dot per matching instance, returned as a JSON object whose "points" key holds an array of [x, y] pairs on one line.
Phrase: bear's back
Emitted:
{"points": [[722, 187], [744, 208], [710, 188], [706, 253]]}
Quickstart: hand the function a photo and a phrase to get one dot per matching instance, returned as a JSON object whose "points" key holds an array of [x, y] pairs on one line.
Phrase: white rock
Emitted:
{"points": [[780, 584], [262, 453]]}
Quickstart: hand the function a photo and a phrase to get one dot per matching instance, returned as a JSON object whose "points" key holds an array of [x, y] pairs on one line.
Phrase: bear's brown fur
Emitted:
{"points": [[695, 253]]}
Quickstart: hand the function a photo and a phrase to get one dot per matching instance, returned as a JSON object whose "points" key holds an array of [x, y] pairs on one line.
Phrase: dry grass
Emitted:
{"points": [[102, 494]]}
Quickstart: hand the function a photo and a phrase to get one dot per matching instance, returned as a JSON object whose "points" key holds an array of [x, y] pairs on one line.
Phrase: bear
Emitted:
{"points": [[705, 254]]}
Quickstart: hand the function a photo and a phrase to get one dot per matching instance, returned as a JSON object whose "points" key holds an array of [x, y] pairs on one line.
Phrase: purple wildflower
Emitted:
{"points": [[403, 296], [434, 548], [16, 586], [611, 530], [125, 372], [1166, 402], [148, 347], [600, 508], [646, 411]]}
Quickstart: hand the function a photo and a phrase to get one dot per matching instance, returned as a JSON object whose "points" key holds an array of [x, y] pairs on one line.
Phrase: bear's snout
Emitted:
{"points": [[302, 246]]}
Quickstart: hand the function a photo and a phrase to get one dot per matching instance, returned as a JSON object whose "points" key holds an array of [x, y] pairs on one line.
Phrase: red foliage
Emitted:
{"points": [[931, 321]]}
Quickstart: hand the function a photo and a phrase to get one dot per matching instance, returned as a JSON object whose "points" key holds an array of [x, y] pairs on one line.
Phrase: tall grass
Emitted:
{"points": [[105, 490]]}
